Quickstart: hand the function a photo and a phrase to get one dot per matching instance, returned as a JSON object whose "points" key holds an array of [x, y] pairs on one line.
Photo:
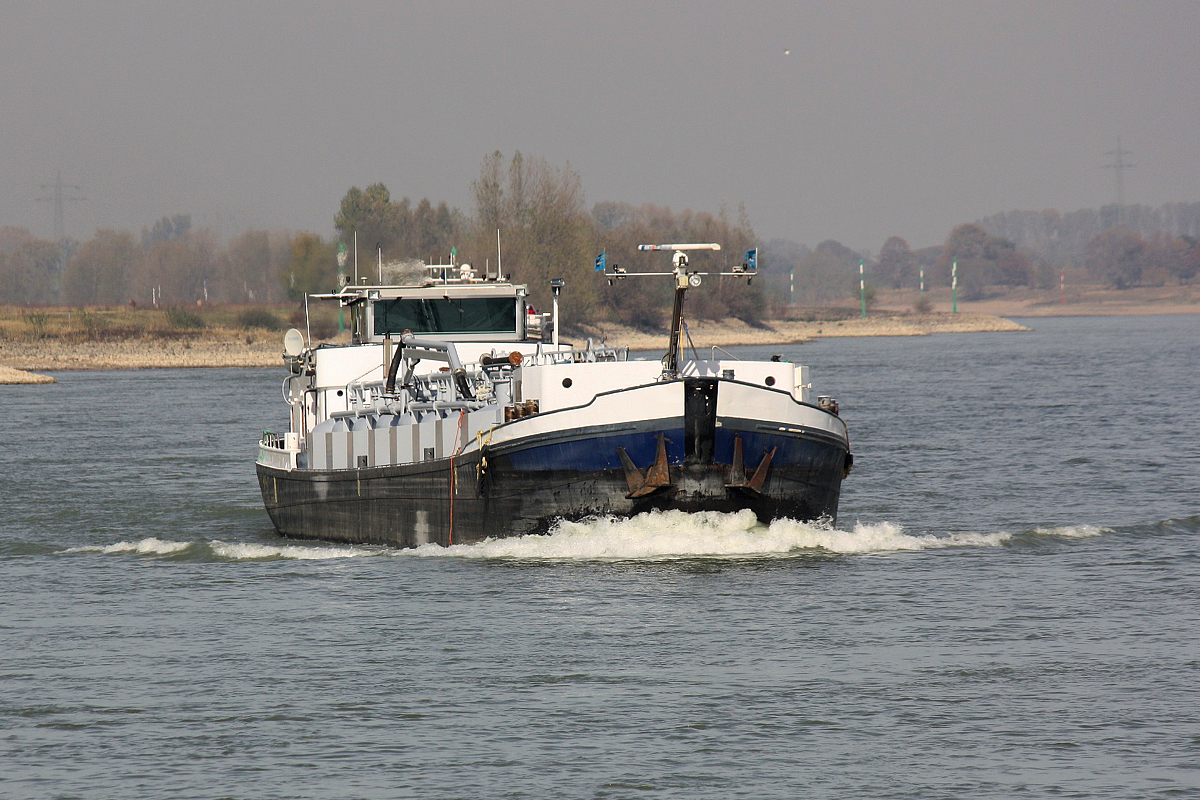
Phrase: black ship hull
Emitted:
{"points": [[526, 486]]}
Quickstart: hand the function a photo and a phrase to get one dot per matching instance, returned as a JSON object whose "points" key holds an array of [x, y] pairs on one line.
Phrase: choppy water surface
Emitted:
{"points": [[1007, 607]]}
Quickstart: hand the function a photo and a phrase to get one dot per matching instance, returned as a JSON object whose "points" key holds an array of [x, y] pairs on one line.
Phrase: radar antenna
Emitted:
{"points": [[684, 279]]}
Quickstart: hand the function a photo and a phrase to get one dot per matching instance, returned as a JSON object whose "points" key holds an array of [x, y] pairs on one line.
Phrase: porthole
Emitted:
{"points": [[770, 380], [339, 392], [566, 383]]}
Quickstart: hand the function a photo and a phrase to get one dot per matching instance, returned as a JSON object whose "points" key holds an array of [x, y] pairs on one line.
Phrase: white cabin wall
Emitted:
{"points": [[338, 366], [788, 377], [545, 383], [757, 372]]}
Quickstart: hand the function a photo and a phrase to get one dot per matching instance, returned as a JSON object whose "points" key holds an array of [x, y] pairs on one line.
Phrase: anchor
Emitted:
{"points": [[737, 472], [657, 477]]}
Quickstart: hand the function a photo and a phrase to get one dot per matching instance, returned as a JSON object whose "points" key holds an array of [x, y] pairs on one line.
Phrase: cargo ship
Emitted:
{"points": [[455, 414]]}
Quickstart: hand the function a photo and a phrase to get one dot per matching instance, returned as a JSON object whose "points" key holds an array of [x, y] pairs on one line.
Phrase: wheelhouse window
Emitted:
{"points": [[446, 315]]}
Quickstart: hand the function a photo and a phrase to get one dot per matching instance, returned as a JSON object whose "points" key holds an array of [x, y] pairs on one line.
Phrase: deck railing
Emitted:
{"points": [[279, 450]]}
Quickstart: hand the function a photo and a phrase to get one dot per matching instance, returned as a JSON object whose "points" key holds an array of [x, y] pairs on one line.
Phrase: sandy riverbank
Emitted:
{"points": [[206, 350], [892, 315], [211, 349], [13, 377], [731, 332]]}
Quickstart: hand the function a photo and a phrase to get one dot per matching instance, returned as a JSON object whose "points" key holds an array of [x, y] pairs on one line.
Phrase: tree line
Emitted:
{"points": [[1063, 239], [171, 263], [1118, 256], [546, 230]]}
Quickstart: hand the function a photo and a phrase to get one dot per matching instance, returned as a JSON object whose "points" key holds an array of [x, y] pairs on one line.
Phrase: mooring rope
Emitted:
{"points": [[462, 412]]}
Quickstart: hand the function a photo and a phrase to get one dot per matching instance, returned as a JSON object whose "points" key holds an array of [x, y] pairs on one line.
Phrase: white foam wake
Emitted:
{"points": [[149, 546], [654, 536], [237, 551], [1072, 531], [675, 534], [232, 551]]}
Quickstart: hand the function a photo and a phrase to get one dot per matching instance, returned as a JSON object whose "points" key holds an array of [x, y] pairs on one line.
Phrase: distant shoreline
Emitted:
{"points": [[22, 359], [211, 349], [735, 333], [1073, 301]]}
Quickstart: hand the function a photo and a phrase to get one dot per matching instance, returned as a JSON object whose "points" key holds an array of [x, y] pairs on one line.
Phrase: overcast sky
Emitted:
{"points": [[843, 120]]}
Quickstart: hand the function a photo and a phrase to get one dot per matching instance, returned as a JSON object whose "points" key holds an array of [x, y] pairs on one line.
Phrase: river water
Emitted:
{"points": [[1009, 605]]}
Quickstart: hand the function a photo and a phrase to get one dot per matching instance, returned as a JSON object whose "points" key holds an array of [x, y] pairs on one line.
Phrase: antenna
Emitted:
{"points": [[1119, 165], [499, 263], [684, 279]]}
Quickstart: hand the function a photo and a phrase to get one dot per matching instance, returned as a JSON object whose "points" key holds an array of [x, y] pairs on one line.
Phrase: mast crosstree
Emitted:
{"points": [[684, 279]]}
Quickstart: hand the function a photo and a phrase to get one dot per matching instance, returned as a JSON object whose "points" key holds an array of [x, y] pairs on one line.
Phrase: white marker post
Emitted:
{"points": [[862, 289]]}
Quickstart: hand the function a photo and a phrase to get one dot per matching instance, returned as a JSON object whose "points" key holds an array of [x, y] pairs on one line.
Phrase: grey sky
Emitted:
{"points": [[885, 119]]}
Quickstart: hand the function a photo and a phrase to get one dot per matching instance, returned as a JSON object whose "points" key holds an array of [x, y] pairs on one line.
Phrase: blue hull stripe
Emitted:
{"points": [[594, 452]]}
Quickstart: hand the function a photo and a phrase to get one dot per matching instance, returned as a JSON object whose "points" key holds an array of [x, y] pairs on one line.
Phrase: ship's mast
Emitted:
{"points": [[682, 282]]}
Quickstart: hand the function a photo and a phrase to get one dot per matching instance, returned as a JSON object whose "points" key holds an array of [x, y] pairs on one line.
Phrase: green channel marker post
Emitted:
{"points": [[954, 283]]}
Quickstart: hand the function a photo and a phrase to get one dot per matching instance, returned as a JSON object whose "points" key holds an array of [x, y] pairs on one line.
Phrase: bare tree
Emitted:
{"points": [[100, 270]]}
